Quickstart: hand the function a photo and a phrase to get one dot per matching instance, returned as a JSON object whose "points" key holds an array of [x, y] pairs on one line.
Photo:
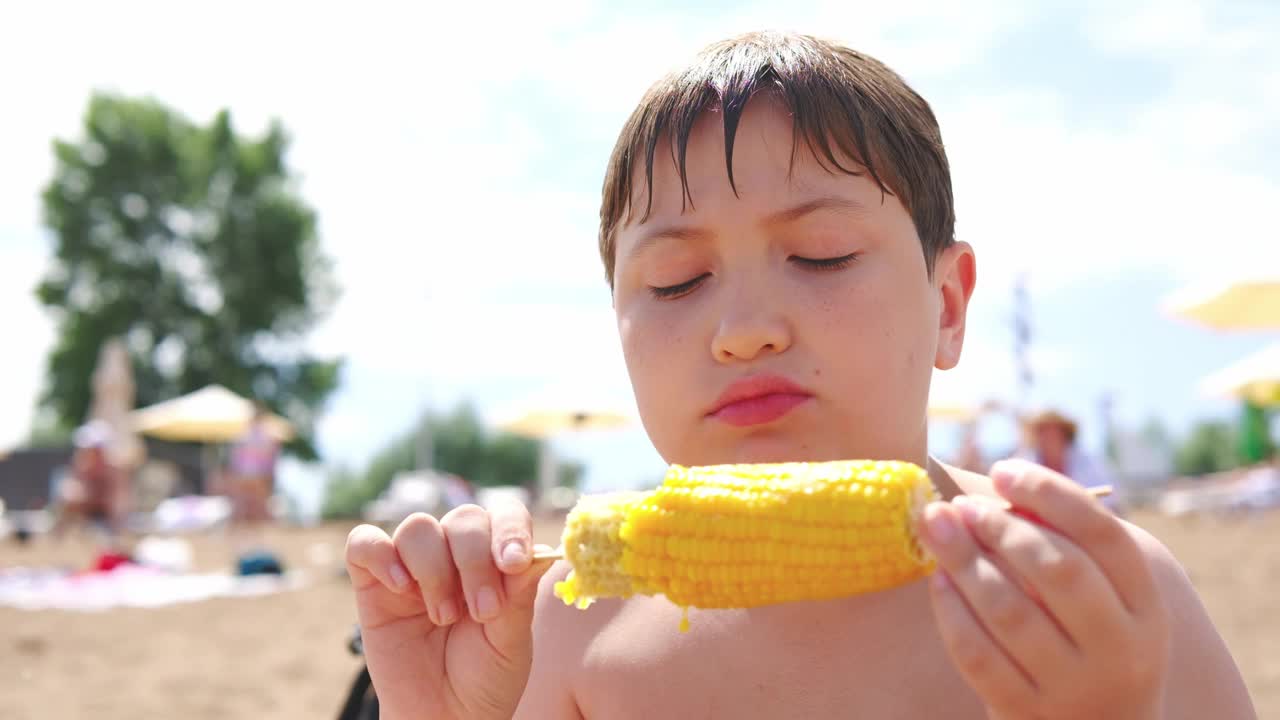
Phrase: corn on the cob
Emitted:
{"points": [[740, 536]]}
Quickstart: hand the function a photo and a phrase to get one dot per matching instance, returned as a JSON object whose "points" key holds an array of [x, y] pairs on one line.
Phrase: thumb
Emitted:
{"points": [[512, 632], [522, 588]]}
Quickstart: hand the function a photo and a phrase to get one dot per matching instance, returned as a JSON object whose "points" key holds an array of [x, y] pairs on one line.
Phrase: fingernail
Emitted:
{"points": [[399, 576], [447, 611], [939, 526], [514, 554], [486, 604]]}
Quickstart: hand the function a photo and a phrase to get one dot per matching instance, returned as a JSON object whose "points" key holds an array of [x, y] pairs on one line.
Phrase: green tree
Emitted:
{"points": [[460, 445], [191, 243], [1210, 447]]}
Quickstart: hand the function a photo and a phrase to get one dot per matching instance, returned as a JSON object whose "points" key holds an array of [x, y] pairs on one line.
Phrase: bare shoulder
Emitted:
{"points": [[579, 641], [1204, 680], [560, 637], [577, 653], [573, 646]]}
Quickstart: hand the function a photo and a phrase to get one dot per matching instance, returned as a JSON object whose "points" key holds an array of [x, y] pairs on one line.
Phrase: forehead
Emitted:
{"points": [[761, 164]]}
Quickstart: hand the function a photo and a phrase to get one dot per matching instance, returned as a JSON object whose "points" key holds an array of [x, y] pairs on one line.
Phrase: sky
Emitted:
{"points": [[1113, 152]]}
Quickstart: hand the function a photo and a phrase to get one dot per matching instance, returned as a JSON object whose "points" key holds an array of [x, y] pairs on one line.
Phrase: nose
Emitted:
{"points": [[751, 324]]}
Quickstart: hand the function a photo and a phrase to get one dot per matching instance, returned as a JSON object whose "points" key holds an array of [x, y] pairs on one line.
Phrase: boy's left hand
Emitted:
{"points": [[1056, 617]]}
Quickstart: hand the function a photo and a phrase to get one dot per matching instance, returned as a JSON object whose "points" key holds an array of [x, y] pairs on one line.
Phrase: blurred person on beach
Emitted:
{"points": [[94, 492], [1260, 485], [249, 477], [1051, 440], [777, 232]]}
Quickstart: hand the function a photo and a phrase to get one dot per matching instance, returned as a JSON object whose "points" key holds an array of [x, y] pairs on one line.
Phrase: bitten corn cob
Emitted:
{"points": [[740, 536]]}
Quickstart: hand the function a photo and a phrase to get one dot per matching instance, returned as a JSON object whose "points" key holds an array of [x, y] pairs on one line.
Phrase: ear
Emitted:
{"points": [[955, 272]]}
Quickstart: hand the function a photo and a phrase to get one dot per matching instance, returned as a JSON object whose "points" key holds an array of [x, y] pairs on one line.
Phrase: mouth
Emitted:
{"points": [[758, 399]]}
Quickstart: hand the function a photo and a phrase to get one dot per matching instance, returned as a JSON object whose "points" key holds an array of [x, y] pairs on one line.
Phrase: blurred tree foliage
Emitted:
{"points": [[460, 445], [1208, 448], [192, 243]]}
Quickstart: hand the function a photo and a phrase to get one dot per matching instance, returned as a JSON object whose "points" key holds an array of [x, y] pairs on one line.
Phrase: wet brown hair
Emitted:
{"points": [[844, 105]]}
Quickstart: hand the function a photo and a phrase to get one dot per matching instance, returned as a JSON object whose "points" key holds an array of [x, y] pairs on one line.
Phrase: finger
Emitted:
{"points": [[425, 552], [371, 557], [1000, 682], [1016, 623], [470, 542], [1058, 571], [1000, 562], [512, 531], [1070, 510]]}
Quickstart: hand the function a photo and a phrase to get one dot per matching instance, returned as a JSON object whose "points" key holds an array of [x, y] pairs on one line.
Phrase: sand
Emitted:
{"points": [[284, 656]]}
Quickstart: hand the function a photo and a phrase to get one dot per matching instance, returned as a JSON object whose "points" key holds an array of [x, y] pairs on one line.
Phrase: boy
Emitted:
{"points": [[776, 229]]}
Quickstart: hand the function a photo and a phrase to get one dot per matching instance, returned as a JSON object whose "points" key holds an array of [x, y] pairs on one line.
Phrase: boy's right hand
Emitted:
{"points": [[446, 611]]}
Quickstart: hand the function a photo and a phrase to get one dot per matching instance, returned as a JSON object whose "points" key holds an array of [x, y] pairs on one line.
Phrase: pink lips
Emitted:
{"points": [[758, 399]]}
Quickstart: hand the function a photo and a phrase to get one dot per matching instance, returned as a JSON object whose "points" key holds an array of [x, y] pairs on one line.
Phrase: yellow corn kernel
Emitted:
{"points": [[740, 536]]}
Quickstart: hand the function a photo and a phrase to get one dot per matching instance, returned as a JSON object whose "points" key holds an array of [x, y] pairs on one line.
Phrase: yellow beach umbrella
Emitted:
{"points": [[1252, 304], [545, 423], [953, 411], [1255, 378], [568, 407], [212, 414], [559, 411], [960, 397]]}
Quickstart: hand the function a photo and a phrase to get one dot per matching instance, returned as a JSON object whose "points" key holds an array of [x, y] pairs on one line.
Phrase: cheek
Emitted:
{"points": [[655, 347], [874, 341], [657, 352], [864, 324]]}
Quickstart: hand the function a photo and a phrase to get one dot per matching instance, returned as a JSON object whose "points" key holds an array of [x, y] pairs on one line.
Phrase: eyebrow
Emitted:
{"points": [[808, 207], [781, 217]]}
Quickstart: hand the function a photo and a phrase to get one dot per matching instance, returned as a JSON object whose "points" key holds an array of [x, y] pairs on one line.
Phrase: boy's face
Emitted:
{"points": [[803, 303]]}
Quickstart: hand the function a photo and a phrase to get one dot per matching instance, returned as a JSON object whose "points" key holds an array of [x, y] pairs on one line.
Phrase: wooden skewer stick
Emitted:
{"points": [[558, 553]]}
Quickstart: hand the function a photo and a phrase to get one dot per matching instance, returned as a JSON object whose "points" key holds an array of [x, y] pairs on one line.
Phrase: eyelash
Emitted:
{"points": [[835, 263], [817, 264], [672, 291]]}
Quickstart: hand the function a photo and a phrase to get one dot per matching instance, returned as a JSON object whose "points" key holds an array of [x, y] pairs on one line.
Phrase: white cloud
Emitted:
{"points": [[1065, 203], [1226, 88]]}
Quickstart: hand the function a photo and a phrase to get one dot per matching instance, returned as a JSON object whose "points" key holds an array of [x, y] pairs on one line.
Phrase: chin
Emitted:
{"points": [[778, 448]]}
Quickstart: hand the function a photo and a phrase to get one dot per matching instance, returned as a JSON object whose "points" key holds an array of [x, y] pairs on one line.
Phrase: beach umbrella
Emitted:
{"points": [[1254, 379], [550, 422], [212, 414], [560, 411], [1252, 304]]}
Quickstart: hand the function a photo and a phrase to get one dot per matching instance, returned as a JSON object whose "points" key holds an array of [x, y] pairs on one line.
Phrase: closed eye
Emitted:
{"points": [[672, 291], [833, 263]]}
